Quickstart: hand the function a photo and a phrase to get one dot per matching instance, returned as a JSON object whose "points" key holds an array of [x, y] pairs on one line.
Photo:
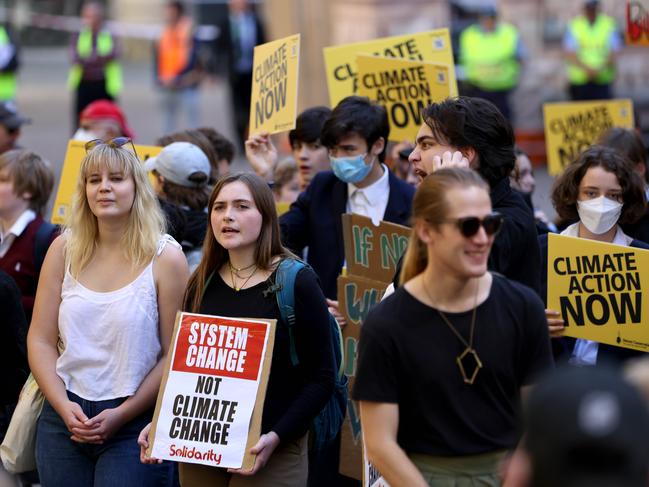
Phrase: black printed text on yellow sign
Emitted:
{"points": [[599, 289], [273, 105]]}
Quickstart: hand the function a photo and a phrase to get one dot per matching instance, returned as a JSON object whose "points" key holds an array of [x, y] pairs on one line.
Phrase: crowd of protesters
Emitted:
{"points": [[455, 377]]}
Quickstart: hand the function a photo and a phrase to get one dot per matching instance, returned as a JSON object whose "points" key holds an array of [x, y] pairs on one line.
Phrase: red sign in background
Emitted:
{"points": [[254, 346]]}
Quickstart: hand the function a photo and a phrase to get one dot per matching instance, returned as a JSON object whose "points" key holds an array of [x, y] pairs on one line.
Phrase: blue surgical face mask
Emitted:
{"points": [[351, 169]]}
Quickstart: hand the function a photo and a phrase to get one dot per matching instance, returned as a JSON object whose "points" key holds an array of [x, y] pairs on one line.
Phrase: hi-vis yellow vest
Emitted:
{"points": [[489, 58], [592, 48], [7, 80], [112, 70]]}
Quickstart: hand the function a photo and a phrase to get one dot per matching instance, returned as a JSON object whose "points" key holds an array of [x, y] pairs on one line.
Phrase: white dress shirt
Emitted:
{"points": [[372, 200], [7, 238]]}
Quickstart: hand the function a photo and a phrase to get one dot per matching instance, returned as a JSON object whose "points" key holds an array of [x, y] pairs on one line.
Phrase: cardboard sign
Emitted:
{"points": [[404, 88], [373, 251], [357, 294], [570, 128], [273, 105], [216, 376], [340, 61], [371, 476], [70, 172], [637, 22], [599, 289]]}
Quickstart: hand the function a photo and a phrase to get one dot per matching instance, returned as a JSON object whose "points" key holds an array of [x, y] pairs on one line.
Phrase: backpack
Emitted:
{"points": [[328, 422]]}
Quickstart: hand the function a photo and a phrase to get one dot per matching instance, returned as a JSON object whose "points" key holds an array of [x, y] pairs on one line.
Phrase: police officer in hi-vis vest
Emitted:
{"points": [[490, 57], [8, 65], [591, 44], [95, 72]]}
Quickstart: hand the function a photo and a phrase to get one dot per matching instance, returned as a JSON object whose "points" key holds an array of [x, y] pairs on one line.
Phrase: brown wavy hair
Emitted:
{"points": [[565, 191], [431, 206], [269, 244]]}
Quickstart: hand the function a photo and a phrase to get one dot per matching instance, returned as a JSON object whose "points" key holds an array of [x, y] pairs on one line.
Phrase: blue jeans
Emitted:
{"points": [[116, 462]]}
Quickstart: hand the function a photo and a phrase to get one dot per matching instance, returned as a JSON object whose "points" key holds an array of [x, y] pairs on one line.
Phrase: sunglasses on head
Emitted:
{"points": [[113, 143], [469, 225]]}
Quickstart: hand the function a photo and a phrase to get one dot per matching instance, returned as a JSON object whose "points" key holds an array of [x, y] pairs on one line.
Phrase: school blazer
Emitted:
{"points": [[314, 221]]}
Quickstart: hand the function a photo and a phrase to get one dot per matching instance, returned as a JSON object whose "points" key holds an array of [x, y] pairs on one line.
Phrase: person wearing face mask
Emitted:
{"points": [[602, 191], [356, 135]]}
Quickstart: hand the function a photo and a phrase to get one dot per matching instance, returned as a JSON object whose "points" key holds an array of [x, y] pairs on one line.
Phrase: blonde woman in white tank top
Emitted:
{"points": [[109, 291]]}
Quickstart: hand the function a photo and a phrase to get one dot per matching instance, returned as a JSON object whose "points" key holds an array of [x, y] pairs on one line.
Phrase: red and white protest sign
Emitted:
{"points": [[211, 398]]}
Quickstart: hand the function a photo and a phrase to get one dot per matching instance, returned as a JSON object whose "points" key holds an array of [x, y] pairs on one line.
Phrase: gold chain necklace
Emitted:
{"points": [[469, 350], [239, 269], [232, 273]]}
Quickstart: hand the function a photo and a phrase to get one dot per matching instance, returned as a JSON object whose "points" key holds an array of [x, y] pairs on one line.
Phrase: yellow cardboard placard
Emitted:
{"points": [[404, 88], [73, 156], [599, 289], [572, 127], [637, 23], [340, 61], [273, 105]]}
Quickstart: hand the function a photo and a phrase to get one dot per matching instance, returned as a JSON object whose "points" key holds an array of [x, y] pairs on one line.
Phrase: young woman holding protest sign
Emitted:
{"points": [[236, 278], [600, 190], [108, 294], [443, 360]]}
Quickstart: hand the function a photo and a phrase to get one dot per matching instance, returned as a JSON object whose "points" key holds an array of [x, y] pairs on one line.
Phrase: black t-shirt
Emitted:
{"points": [[295, 395], [407, 356]]}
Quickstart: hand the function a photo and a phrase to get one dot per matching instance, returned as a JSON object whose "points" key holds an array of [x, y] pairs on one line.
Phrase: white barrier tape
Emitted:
{"points": [[133, 30]]}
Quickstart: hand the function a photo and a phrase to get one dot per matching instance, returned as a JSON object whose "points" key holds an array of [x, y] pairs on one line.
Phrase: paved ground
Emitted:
{"points": [[43, 97]]}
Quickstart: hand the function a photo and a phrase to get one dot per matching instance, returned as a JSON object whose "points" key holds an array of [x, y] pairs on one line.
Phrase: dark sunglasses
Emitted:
{"points": [[469, 226], [113, 143]]}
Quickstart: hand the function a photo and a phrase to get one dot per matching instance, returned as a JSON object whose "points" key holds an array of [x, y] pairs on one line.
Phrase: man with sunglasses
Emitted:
{"points": [[471, 132], [443, 361]]}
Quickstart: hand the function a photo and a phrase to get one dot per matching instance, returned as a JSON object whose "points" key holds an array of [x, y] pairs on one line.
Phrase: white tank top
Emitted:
{"points": [[111, 339]]}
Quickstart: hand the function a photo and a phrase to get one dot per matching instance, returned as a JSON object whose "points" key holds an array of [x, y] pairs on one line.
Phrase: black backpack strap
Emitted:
{"points": [[42, 243]]}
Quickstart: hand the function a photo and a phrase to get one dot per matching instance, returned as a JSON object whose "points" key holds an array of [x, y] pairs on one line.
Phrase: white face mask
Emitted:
{"points": [[84, 135], [600, 214]]}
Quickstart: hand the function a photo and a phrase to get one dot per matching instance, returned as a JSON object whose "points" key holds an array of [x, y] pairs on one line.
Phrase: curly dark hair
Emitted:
{"points": [[466, 122], [565, 191], [628, 143]]}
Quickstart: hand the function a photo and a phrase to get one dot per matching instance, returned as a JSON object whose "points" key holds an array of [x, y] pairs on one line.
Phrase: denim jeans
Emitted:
{"points": [[116, 462]]}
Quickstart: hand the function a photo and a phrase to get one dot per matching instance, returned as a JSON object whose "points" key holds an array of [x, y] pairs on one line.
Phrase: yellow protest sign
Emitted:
{"points": [[340, 61], [637, 22], [598, 288], [70, 171], [404, 88], [572, 127], [273, 105]]}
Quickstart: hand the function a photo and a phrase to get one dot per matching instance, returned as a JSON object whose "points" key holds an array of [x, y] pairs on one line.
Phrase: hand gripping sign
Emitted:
{"points": [[212, 394], [599, 289]]}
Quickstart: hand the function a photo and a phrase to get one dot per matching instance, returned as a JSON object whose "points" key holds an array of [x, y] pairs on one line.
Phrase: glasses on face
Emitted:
{"points": [[113, 143], [469, 225]]}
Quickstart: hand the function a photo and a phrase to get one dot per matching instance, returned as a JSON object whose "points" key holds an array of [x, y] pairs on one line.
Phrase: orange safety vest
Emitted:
{"points": [[174, 50]]}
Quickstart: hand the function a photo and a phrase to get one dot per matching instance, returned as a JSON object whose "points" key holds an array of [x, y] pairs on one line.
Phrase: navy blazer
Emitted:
{"points": [[314, 221], [562, 347]]}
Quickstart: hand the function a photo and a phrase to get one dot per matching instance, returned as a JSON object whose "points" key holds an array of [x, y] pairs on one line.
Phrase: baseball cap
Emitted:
{"points": [[587, 426], [106, 109], [9, 116], [178, 162]]}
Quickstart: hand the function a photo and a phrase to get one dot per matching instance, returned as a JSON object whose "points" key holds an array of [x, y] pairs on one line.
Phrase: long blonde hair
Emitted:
{"points": [[269, 244], [145, 224], [430, 205]]}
